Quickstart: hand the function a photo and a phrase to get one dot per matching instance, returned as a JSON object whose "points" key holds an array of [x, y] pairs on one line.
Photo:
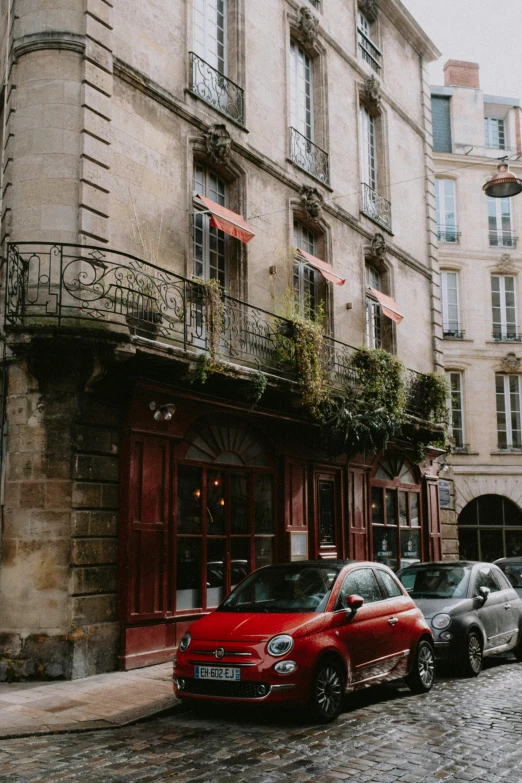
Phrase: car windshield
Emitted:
{"points": [[436, 581], [513, 571], [304, 589]]}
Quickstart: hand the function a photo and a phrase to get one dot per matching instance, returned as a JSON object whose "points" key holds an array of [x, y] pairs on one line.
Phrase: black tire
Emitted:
{"points": [[473, 659], [517, 651], [327, 691], [422, 674]]}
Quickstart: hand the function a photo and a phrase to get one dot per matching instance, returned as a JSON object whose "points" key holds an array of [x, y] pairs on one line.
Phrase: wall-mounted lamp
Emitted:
{"points": [[162, 412], [443, 466]]}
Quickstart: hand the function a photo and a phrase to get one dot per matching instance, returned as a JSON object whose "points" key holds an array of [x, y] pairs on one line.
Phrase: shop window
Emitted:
{"points": [[490, 527]]}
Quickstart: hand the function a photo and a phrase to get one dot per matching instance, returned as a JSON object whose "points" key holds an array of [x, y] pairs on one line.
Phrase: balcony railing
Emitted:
{"points": [[376, 207], [506, 337], [502, 239], [214, 88], [308, 156], [369, 52], [448, 234], [462, 448], [102, 290], [453, 332]]}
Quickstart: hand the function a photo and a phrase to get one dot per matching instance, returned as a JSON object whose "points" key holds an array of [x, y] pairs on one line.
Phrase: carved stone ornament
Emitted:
{"points": [[379, 246], [218, 143], [308, 25], [372, 91], [506, 262], [369, 8], [312, 201], [511, 363]]}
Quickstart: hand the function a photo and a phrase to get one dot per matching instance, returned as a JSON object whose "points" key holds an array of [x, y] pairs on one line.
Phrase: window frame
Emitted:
{"points": [[510, 413], [500, 222], [456, 411], [495, 139], [299, 57], [305, 278], [369, 157], [507, 514], [209, 235], [504, 330], [447, 232], [450, 326]]}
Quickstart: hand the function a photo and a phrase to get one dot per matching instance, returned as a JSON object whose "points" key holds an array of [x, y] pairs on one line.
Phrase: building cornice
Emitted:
{"points": [[37, 42], [398, 14]]}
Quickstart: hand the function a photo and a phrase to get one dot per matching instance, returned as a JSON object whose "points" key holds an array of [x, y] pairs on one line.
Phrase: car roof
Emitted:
{"points": [[338, 564], [507, 560], [448, 563]]}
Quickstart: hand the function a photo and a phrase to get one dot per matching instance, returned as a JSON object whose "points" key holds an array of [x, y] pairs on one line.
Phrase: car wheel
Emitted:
{"points": [[422, 674], [517, 651], [472, 662], [328, 687]]}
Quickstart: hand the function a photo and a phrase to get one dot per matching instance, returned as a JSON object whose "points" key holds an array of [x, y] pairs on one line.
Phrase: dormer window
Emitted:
{"points": [[495, 133]]}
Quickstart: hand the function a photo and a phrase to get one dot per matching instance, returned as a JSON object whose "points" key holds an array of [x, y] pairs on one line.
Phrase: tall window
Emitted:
{"points": [[210, 244], [367, 48], [305, 277], [456, 409], [503, 301], [495, 133], [373, 310], [210, 32], [301, 91], [369, 148], [450, 304], [441, 117], [508, 411], [499, 221], [446, 213]]}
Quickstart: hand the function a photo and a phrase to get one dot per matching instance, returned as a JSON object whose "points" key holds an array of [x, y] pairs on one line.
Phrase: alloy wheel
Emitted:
{"points": [[426, 665], [328, 690], [475, 653]]}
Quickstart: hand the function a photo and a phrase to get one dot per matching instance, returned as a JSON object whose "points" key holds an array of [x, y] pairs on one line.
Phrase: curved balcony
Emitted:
{"points": [[83, 287]]}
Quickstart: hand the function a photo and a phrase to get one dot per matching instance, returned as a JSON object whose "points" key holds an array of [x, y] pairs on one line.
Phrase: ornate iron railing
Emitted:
{"points": [[453, 331], [502, 239], [369, 52], [506, 336], [214, 88], [448, 234], [82, 286], [376, 207], [308, 156]]}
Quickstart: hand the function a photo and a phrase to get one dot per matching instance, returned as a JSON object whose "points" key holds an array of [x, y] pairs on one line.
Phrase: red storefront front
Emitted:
{"points": [[219, 490]]}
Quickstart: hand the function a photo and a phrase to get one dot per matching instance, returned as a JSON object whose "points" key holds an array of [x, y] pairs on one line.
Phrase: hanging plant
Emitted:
{"points": [[428, 400], [256, 388], [309, 354]]}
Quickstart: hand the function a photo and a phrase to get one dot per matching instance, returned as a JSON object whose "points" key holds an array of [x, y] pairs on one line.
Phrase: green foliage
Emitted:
{"points": [[309, 353], [429, 393], [203, 370], [256, 389]]}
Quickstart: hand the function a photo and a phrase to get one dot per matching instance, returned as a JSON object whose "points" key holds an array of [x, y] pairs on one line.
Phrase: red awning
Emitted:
{"points": [[388, 305], [227, 221], [325, 269]]}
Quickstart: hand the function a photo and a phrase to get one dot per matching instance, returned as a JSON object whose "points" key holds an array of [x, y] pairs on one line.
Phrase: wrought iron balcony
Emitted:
{"points": [[369, 52], [506, 336], [308, 156], [214, 88], [461, 448], [376, 207], [502, 239], [453, 331], [448, 234], [81, 287]]}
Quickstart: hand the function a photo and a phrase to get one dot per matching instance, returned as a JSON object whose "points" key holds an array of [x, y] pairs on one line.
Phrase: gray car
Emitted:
{"points": [[512, 567], [471, 608]]}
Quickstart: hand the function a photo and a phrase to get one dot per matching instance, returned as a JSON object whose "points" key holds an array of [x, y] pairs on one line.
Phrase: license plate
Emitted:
{"points": [[217, 673]]}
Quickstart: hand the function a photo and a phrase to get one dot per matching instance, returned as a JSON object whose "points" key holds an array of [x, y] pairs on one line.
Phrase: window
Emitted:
{"points": [[374, 315], [508, 411], [391, 588], [374, 204], [450, 304], [494, 133], [301, 91], [485, 577], [503, 302], [369, 152], [490, 527], [210, 33], [499, 222], [367, 49], [456, 409], [446, 214], [306, 283], [210, 244], [362, 582], [440, 110]]}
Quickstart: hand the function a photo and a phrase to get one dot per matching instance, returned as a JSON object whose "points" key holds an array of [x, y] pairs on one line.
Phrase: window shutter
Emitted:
{"points": [[440, 108]]}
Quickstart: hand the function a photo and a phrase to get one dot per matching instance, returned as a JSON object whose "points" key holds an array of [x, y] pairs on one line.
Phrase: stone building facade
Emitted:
{"points": [[200, 139], [480, 260]]}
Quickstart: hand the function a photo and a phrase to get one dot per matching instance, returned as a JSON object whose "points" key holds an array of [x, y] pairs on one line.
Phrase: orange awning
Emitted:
{"points": [[325, 269], [388, 305], [227, 221]]}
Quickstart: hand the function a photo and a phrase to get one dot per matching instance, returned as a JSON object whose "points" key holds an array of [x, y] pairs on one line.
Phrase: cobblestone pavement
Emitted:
{"points": [[463, 730]]}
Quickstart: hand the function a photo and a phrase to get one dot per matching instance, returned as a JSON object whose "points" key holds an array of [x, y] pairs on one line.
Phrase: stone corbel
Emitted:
{"points": [[510, 363], [369, 8], [307, 25], [218, 143], [371, 91], [312, 202]]}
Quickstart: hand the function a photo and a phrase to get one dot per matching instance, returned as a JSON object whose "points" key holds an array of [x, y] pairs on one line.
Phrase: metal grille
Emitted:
{"points": [[308, 156], [230, 690], [214, 88]]}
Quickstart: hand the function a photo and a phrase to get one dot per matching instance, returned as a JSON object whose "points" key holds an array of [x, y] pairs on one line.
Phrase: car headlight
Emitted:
{"points": [[280, 645], [441, 621], [185, 641], [285, 667]]}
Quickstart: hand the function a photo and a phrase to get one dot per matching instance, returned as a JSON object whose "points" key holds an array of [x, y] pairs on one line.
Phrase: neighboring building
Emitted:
{"points": [[481, 268], [207, 139]]}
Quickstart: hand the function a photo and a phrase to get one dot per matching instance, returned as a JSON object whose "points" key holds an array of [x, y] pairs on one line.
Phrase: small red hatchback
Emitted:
{"points": [[305, 634]]}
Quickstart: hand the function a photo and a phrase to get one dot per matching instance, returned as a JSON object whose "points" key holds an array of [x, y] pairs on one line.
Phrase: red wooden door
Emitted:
{"points": [[358, 517]]}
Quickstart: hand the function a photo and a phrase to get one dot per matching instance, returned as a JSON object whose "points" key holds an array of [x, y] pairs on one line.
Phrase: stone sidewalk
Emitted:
{"points": [[101, 702]]}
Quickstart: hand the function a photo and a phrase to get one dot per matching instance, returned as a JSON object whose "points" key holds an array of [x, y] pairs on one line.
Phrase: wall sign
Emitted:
{"points": [[444, 494]]}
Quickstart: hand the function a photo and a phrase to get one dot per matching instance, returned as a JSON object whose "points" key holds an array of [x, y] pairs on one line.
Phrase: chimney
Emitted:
{"points": [[461, 74]]}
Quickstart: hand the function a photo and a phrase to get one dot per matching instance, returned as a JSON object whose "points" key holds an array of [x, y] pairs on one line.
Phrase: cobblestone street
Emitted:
{"points": [[462, 730]]}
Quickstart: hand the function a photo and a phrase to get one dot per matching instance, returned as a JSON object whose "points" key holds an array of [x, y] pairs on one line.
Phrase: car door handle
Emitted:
{"points": [[507, 606], [393, 621]]}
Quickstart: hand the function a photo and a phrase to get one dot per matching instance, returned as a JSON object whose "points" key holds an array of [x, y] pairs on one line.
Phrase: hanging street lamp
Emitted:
{"points": [[504, 183]]}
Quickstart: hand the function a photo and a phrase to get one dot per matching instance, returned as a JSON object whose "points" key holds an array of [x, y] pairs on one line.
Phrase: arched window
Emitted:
{"points": [[490, 527], [396, 513], [224, 515]]}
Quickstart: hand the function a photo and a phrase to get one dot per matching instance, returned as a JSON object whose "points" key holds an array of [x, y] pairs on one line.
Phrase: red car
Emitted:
{"points": [[305, 634]]}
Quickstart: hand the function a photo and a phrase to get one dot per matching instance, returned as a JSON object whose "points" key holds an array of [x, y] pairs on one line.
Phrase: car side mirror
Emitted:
{"points": [[484, 594], [353, 603]]}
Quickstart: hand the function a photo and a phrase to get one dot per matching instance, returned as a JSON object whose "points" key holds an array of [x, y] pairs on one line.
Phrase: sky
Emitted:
{"points": [[488, 32]]}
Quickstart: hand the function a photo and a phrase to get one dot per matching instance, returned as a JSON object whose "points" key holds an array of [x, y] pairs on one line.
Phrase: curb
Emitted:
{"points": [[165, 708]]}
